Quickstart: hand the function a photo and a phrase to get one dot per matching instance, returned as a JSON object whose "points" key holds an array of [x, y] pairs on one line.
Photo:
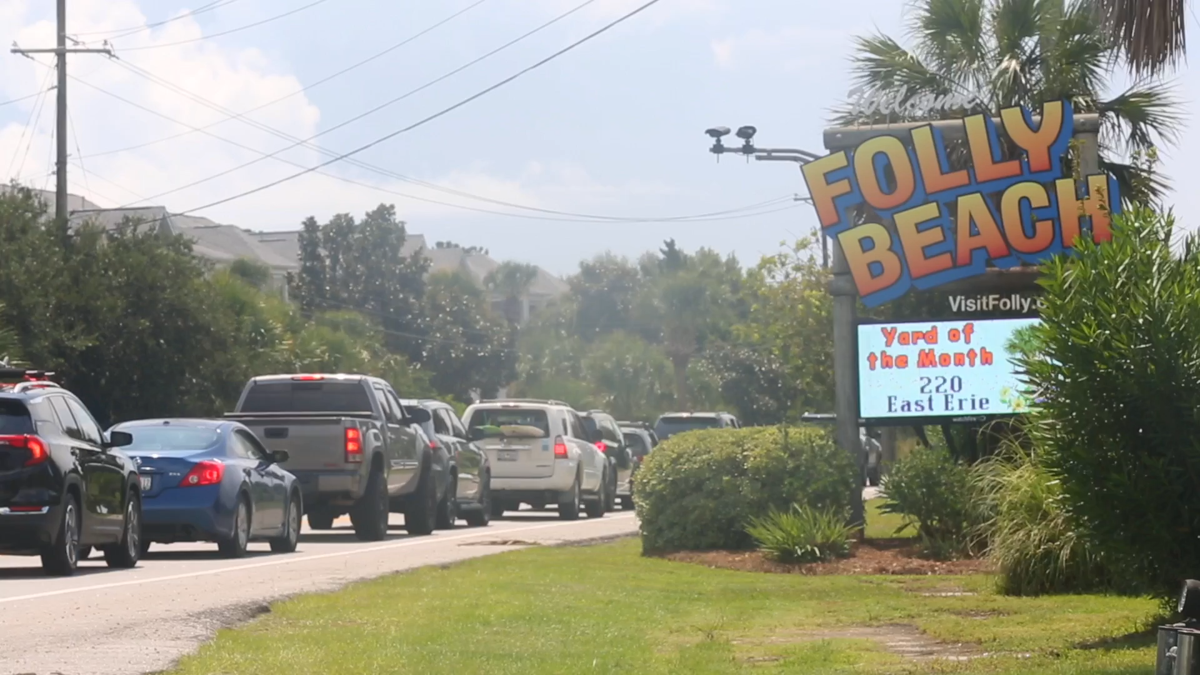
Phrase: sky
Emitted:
{"points": [[208, 99]]}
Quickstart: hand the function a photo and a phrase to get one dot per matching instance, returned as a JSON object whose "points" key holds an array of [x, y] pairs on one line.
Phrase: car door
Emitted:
{"points": [[404, 456], [467, 463], [393, 439], [619, 453], [592, 459], [266, 482], [103, 477]]}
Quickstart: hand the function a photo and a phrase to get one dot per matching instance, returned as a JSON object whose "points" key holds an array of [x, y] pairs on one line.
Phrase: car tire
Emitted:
{"points": [[610, 493], [420, 518], [370, 515], [595, 509], [569, 503], [320, 520], [627, 503], [85, 552], [235, 545], [447, 510], [287, 542], [126, 553], [497, 507], [61, 558], [482, 517]]}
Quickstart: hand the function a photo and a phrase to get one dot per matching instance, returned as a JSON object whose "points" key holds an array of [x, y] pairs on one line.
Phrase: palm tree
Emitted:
{"points": [[1003, 53], [1152, 33], [511, 280]]}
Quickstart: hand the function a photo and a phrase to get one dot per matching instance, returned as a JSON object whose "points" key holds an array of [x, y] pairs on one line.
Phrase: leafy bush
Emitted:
{"points": [[802, 535], [933, 493], [700, 489], [1118, 375], [1032, 539]]}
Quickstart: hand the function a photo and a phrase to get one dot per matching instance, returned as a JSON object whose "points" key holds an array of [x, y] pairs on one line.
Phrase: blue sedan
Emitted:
{"points": [[211, 480]]}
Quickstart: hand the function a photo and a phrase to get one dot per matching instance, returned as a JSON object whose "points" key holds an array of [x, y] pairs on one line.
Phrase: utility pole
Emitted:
{"points": [[61, 212]]}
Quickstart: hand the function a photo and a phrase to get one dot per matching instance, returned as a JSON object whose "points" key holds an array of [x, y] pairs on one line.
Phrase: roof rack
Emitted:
{"points": [[634, 425], [30, 379], [526, 400], [39, 384]]}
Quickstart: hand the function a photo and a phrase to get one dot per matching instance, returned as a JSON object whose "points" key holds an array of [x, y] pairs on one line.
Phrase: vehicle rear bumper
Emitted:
{"points": [[559, 481], [185, 514], [322, 488], [27, 533]]}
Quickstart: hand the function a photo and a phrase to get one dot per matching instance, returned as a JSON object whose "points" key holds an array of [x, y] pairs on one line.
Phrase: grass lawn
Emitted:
{"points": [[606, 609], [882, 525]]}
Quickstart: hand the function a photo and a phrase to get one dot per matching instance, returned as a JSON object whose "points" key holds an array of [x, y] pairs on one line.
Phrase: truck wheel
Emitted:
{"points": [[482, 516], [595, 509], [61, 558], [320, 520], [126, 553], [447, 511], [370, 514], [627, 503], [421, 516], [497, 508], [610, 493], [568, 505]]}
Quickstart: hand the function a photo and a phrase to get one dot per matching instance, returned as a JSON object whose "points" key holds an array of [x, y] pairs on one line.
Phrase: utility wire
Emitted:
{"points": [[118, 33], [78, 152], [301, 90], [436, 115], [37, 106], [377, 108], [22, 98], [227, 32], [426, 199]]}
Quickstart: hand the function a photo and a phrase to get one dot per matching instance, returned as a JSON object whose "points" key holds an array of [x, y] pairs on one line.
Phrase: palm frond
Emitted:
{"points": [[1138, 186], [1152, 33], [952, 35], [1143, 114]]}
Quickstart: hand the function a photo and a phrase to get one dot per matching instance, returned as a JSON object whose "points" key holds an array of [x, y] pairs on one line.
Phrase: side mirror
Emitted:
{"points": [[280, 456], [416, 416], [119, 439]]}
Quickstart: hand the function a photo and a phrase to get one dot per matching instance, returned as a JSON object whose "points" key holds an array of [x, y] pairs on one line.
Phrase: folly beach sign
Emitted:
{"points": [[864, 103], [949, 224]]}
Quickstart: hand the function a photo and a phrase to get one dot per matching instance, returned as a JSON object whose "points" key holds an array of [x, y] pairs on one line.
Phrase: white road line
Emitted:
{"points": [[293, 559]]}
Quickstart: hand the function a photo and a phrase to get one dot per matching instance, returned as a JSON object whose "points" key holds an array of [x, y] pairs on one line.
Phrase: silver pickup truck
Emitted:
{"points": [[352, 446]]}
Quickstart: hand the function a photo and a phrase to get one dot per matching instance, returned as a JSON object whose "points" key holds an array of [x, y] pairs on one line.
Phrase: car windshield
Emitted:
{"points": [[667, 426], [14, 418], [637, 444], [532, 423], [170, 440], [307, 397]]}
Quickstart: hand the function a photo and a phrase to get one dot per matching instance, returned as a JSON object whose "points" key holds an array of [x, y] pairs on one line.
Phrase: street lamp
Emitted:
{"points": [[748, 150]]}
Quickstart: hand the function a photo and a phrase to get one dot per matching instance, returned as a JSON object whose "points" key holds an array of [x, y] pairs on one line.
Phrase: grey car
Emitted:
{"points": [[469, 495]]}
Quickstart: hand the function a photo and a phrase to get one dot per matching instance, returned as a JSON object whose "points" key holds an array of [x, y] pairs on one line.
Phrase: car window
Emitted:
{"points": [[637, 444], [65, 419], [456, 426], [578, 428], [170, 439], [247, 446], [532, 422], [612, 432], [15, 418], [394, 403], [87, 426], [392, 413], [441, 425], [307, 396]]}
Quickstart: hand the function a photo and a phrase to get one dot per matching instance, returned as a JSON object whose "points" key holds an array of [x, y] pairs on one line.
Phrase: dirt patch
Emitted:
{"points": [[874, 557], [502, 542], [900, 639]]}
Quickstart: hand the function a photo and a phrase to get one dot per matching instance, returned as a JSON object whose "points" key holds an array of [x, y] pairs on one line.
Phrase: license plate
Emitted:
{"points": [[508, 455], [146, 481]]}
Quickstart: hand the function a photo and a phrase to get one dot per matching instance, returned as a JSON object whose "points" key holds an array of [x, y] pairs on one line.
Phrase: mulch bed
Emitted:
{"points": [[873, 557]]}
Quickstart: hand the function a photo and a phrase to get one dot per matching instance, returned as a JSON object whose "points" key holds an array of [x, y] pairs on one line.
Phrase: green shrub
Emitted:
{"points": [[1118, 375], [802, 535], [700, 489], [933, 493], [1032, 539]]}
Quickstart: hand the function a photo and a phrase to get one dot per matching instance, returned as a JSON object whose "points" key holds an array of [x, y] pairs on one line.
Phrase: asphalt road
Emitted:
{"points": [[122, 622]]}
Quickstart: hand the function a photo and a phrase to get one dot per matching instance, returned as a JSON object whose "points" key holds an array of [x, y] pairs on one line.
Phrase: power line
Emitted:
{"points": [[82, 168], [436, 115], [301, 90], [23, 98], [372, 111], [216, 4], [35, 120], [227, 32], [742, 212]]}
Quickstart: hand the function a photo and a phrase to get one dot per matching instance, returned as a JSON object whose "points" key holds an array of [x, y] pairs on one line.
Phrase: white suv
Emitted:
{"points": [[540, 454]]}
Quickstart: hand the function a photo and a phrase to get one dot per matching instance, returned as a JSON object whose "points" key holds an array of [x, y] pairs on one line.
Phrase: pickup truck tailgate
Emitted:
{"points": [[312, 443]]}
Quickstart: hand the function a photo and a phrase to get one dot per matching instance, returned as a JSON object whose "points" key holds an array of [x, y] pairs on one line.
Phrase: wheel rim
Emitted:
{"points": [[243, 525], [133, 537], [452, 501], [71, 536], [293, 523]]}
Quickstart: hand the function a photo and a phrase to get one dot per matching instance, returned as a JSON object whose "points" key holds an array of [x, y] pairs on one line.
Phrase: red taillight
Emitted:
{"points": [[353, 446], [26, 509], [601, 446], [433, 445], [38, 452], [308, 378], [560, 448], [208, 472]]}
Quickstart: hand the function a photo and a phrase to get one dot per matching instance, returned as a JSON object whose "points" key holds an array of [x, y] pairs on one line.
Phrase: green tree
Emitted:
{"points": [[1152, 33], [604, 291], [469, 349], [1003, 53], [511, 280], [631, 378], [252, 272]]}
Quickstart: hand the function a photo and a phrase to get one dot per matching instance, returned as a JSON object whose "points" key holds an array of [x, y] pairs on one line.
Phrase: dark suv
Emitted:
{"points": [[62, 485], [678, 422]]}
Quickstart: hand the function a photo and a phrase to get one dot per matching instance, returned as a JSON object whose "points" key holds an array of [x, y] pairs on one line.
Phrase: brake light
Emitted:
{"points": [[560, 448], [308, 378], [353, 446], [26, 509], [601, 446], [38, 452], [207, 472]]}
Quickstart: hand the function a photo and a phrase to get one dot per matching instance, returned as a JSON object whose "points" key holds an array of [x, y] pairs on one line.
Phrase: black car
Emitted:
{"points": [[641, 441], [678, 422], [63, 486], [606, 434], [469, 495]]}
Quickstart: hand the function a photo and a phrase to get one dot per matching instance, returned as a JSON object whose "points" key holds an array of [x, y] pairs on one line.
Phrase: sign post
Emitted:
{"points": [[979, 230]]}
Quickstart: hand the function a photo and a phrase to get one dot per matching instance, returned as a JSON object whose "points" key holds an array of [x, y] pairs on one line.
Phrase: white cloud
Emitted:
{"points": [[235, 79], [791, 48], [662, 13]]}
